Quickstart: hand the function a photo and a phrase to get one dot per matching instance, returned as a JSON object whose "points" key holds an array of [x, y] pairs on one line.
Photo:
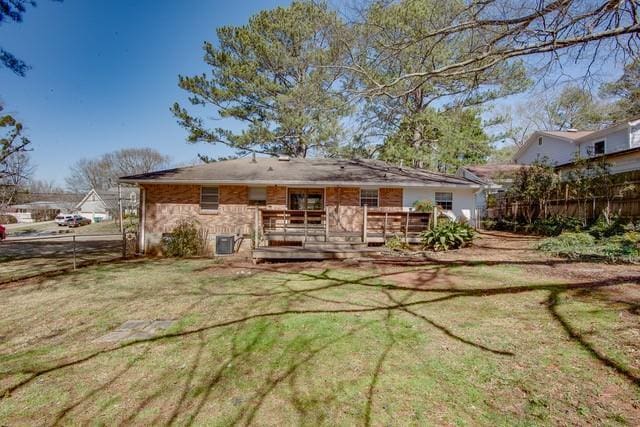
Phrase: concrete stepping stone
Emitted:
{"points": [[136, 330]]}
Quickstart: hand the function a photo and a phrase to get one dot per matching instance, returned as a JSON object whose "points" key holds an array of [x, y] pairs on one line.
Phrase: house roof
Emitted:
{"points": [[296, 171], [491, 172], [577, 134]]}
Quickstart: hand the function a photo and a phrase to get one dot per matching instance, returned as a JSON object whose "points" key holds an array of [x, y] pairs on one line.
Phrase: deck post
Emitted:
{"points": [[406, 229], [305, 226], [256, 228], [284, 226], [384, 227], [364, 225], [435, 217], [326, 223]]}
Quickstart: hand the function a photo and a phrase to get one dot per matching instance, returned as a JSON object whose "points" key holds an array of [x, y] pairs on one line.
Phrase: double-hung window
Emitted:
{"points": [[209, 198], [444, 200], [598, 148], [369, 197]]}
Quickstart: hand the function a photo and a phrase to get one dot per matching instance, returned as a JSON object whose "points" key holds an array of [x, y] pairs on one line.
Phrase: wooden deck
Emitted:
{"points": [[316, 226]]}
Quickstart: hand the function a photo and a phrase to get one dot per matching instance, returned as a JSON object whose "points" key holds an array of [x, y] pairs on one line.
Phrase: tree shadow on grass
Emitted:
{"points": [[287, 294], [553, 302]]}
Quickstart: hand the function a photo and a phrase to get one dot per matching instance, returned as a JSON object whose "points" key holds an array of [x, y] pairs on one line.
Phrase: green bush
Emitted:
{"points": [[450, 235], [186, 239], [555, 225], [566, 243], [623, 247], [620, 248], [489, 224], [601, 228], [396, 243]]}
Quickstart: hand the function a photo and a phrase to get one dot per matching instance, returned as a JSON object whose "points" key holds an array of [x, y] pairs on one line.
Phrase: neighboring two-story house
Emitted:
{"points": [[619, 144]]}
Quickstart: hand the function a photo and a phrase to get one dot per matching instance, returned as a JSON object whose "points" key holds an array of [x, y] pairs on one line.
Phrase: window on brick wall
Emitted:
{"points": [[209, 198], [444, 200], [369, 197], [258, 196]]}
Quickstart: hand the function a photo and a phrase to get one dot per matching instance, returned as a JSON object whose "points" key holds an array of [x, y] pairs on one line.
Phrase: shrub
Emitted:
{"points": [[7, 219], [423, 206], [555, 225], [187, 239], [489, 224], [601, 228], [618, 248], [396, 243], [623, 247], [450, 235]]}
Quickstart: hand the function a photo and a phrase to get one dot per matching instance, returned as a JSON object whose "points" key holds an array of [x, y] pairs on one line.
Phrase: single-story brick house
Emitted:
{"points": [[297, 200]]}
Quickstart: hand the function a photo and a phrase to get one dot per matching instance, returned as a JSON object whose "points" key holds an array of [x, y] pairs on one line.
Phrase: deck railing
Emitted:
{"points": [[301, 225], [403, 224]]}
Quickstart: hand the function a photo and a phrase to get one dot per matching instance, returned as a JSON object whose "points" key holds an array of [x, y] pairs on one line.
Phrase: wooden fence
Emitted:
{"points": [[589, 209]]}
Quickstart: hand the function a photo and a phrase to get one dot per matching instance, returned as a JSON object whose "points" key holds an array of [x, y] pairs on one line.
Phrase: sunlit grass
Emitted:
{"points": [[268, 345]]}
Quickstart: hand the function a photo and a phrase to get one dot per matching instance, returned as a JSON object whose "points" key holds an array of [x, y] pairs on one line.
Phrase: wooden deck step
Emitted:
{"points": [[335, 245], [297, 253]]}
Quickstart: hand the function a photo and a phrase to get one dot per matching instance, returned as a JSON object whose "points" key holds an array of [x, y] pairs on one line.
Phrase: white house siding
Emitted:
{"points": [[464, 201], [616, 141], [93, 208], [556, 150], [625, 163], [634, 136]]}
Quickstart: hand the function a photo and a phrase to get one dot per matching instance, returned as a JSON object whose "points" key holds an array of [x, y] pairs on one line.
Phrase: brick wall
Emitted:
{"points": [[276, 197], [166, 205]]}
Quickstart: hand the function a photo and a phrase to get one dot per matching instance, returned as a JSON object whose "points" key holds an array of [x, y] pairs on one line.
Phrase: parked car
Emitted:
{"points": [[62, 219], [3, 232], [77, 221]]}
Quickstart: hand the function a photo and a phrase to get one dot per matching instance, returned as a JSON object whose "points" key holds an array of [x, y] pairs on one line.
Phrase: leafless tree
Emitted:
{"points": [[37, 186], [547, 33], [103, 172], [18, 171]]}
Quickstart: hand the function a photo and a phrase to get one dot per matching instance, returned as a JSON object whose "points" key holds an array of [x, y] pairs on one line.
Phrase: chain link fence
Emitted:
{"points": [[24, 257]]}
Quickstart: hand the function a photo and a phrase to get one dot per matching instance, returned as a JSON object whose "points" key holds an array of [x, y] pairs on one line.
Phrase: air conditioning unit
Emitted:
{"points": [[224, 245]]}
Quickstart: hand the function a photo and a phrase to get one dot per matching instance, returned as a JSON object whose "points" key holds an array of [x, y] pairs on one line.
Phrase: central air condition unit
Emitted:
{"points": [[224, 245]]}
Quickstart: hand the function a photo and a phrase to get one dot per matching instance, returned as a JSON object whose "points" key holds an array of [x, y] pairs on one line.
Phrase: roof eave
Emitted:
{"points": [[305, 183]]}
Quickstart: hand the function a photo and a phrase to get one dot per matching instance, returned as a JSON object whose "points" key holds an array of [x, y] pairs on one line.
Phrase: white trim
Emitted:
{"points": [[143, 222], [315, 184]]}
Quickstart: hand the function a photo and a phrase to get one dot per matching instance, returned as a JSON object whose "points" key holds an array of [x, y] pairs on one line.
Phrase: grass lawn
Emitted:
{"points": [[511, 342]]}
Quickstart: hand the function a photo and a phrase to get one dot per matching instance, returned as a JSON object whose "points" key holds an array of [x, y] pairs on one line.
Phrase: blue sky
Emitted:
{"points": [[105, 74]]}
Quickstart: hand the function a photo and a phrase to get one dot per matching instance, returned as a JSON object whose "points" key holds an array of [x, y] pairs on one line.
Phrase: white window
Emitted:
{"points": [[209, 198], [369, 197], [257, 196], [444, 200], [598, 148]]}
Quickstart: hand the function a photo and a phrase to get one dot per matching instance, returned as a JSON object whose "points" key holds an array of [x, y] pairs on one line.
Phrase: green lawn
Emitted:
{"points": [[439, 344]]}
